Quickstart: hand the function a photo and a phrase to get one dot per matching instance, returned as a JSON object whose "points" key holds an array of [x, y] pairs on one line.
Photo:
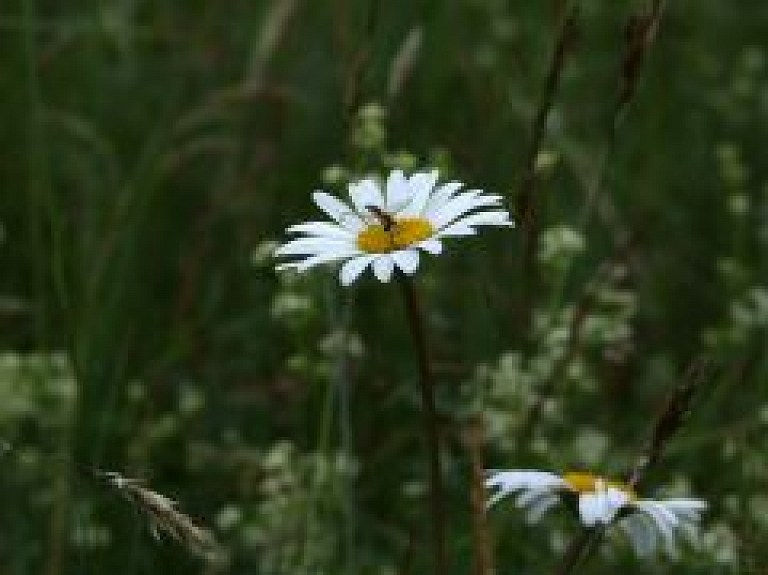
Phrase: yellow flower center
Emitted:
{"points": [[582, 482], [404, 232]]}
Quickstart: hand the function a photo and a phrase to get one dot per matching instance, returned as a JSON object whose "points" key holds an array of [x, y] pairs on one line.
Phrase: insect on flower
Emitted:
{"points": [[387, 220], [387, 226]]}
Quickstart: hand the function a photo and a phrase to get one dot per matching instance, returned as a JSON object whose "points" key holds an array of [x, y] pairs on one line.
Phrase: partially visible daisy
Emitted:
{"points": [[385, 227], [646, 522]]}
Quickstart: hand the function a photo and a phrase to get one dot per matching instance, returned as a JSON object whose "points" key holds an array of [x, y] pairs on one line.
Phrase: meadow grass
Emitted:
{"points": [[154, 152]]}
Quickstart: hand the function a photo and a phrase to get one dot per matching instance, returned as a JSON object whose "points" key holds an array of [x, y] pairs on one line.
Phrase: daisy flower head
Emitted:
{"points": [[648, 524], [385, 227]]}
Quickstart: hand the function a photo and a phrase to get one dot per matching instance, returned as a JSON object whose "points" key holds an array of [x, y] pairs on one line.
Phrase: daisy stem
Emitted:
{"points": [[426, 380]]}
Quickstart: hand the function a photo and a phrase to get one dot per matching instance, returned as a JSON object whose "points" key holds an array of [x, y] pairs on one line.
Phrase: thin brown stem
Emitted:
{"points": [[474, 438], [418, 333], [525, 206], [672, 417]]}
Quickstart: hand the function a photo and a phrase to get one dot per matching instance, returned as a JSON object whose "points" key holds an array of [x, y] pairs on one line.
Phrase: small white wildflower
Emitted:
{"points": [[646, 522], [287, 305], [386, 228], [722, 544], [591, 445], [738, 205], [559, 242], [263, 253]]}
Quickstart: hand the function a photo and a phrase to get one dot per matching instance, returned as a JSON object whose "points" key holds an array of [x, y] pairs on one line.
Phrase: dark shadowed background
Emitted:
{"points": [[153, 152]]}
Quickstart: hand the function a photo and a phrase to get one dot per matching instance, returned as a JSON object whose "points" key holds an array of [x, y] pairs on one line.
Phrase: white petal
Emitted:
{"points": [[590, 508], [398, 191], [407, 260], [664, 520], [383, 266], [508, 481], [489, 218], [352, 269], [335, 208], [366, 193], [432, 246], [440, 197], [601, 506], [540, 506], [312, 261], [457, 230], [686, 513], [641, 532], [495, 498], [314, 245], [661, 510], [422, 184], [687, 508], [324, 229], [615, 500], [457, 205], [460, 205], [528, 497]]}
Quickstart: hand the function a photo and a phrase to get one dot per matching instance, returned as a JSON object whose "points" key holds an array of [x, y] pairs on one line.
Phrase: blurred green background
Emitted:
{"points": [[153, 152]]}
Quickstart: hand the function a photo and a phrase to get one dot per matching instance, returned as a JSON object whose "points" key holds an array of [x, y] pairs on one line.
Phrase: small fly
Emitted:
{"points": [[379, 216], [386, 220]]}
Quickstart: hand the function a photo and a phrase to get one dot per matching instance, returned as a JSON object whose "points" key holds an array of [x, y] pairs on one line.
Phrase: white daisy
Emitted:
{"points": [[646, 522], [386, 228]]}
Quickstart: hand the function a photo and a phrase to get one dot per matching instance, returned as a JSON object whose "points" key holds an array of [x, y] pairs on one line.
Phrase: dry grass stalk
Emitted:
{"points": [[164, 517], [525, 200], [640, 33], [474, 438], [672, 416], [404, 61]]}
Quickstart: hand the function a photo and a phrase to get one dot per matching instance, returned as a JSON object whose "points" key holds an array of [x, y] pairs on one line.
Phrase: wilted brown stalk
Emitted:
{"points": [[353, 59], [669, 421], [640, 33], [427, 384], [164, 517], [474, 438], [672, 417], [276, 22]]}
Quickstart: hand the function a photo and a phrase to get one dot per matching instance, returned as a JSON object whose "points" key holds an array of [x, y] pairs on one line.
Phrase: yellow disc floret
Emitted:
{"points": [[403, 232], [583, 482]]}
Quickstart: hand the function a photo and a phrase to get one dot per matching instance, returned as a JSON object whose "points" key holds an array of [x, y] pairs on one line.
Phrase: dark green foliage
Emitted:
{"points": [[152, 150]]}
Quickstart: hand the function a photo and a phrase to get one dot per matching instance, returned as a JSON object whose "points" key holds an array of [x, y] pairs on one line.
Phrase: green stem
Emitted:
{"points": [[426, 380]]}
